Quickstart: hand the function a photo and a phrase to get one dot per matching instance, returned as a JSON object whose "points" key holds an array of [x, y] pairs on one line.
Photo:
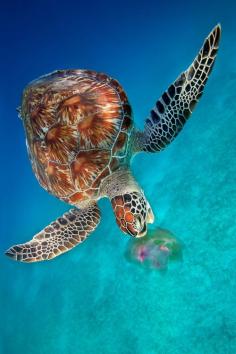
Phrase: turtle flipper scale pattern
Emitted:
{"points": [[60, 236], [175, 106]]}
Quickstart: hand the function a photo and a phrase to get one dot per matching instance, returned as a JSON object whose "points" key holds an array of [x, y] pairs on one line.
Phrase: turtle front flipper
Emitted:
{"points": [[60, 236], [175, 106]]}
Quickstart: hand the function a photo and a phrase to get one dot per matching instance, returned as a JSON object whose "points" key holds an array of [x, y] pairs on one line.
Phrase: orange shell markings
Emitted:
{"points": [[87, 166], [77, 198], [41, 117], [96, 110], [60, 179], [61, 142], [72, 120]]}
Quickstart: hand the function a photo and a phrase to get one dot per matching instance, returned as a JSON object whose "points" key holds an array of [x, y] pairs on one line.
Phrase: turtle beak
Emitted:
{"points": [[149, 220], [143, 232], [150, 216]]}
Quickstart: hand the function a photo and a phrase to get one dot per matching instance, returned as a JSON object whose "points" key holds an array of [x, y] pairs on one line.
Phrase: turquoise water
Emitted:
{"points": [[91, 300]]}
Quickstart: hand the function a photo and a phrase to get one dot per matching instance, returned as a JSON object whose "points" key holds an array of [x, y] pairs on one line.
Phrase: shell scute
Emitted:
{"points": [[40, 152], [77, 125], [41, 174], [61, 142], [41, 119], [60, 179], [77, 198], [127, 124], [88, 166], [120, 144], [114, 164], [96, 111]]}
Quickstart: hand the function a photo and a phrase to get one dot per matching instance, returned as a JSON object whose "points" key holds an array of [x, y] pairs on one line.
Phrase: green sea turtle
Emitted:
{"points": [[81, 137]]}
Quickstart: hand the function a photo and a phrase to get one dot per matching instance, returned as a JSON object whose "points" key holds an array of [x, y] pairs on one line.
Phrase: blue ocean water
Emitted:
{"points": [[91, 300]]}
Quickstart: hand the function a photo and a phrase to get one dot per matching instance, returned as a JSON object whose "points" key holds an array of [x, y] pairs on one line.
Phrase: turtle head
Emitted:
{"points": [[133, 213]]}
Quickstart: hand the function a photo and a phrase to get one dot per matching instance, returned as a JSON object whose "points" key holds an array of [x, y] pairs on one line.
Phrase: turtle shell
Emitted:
{"points": [[78, 125]]}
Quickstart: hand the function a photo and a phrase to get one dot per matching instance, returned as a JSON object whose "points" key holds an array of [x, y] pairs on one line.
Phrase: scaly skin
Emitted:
{"points": [[132, 210]]}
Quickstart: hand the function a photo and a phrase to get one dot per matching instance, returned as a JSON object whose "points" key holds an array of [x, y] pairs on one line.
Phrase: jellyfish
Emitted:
{"points": [[155, 250]]}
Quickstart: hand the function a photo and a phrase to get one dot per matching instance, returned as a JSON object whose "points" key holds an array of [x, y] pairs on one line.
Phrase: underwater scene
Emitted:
{"points": [[172, 291]]}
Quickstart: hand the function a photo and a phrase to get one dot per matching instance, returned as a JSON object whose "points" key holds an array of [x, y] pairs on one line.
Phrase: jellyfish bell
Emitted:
{"points": [[155, 250], [142, 253], [166, 238], [158, 257]]}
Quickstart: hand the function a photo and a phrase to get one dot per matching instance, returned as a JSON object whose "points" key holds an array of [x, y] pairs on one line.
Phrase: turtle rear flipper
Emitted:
{"points": [[60, 236], [175, 106]]}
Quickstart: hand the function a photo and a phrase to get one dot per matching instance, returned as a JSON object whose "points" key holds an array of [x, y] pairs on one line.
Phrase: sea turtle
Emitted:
{"points": [[80, 137]]}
